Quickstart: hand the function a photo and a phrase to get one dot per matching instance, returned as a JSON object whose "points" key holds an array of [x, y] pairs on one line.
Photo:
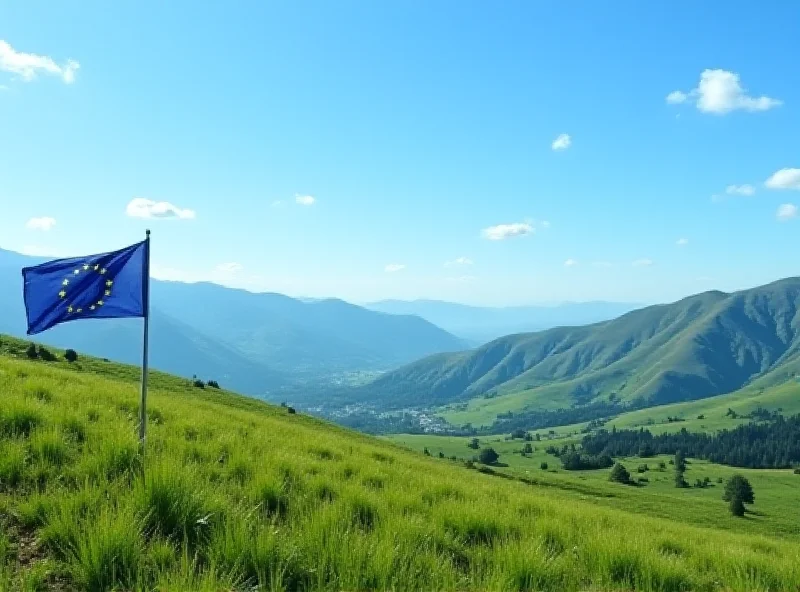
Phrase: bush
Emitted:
{"points": [[71, 355], [527, 449], [198, 383], [797, 471], [212, 384], [543, 466], [488, 456], [474, 444], [518, 434], [426, 452], [441, 454], [31, 351], [619, 474], [291, 410], [642, 468], [46, 355]]}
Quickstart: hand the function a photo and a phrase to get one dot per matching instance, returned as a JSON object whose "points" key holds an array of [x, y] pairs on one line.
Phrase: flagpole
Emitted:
{"points": [[143, 403]]}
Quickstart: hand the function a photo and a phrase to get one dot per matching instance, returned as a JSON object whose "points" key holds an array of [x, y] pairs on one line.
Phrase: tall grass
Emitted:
{"points": [[236, 495]]}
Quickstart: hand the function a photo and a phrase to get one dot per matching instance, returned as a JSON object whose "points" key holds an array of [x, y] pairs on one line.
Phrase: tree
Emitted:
{"points": [[527, 449], [739, 487], [31, 351], [543, 466], [71, 355], [474, 444], [737, 507], [488, 456], [680, 461], [519, 433], [619, 474], [426, 452], [46, 355], [680, 482]]}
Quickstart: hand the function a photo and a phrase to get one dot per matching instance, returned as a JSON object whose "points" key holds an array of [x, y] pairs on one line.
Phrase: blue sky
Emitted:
{"points": [[371, 150]]}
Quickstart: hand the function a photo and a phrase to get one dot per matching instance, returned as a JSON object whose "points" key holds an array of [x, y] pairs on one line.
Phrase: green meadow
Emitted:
{"points": [[234, 494]]}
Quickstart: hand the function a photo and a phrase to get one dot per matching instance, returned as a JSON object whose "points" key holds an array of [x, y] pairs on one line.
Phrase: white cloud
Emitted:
{"points": [[784, 179], [28, 65], [305, 200], [786, 212], [504, 231], [459, 261], [740, 190], [44, 223], [393, 267], [676, 97], [140, 207], [642, 263], [682, 242], [40, 251], [570, 263], [562, 142], [230, 267], [720, 92]]}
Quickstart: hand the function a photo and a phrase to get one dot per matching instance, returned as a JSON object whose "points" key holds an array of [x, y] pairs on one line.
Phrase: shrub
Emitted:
{"points": [[474, 444], [488, 456], [198, 383], [31, 351], [71, 355], [642, 468], [797, 471], [543, 466], [291, 410], [426, 452], [46, 355], [441, 454], [212, 384], [527, 449], [619, 474], [518, 434]]}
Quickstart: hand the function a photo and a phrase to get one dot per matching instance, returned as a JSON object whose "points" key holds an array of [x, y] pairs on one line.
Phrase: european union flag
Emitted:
{"points": [[106, 286]]}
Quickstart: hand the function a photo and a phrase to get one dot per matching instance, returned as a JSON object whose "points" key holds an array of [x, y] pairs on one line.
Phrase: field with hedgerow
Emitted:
{"points": [[234, 494]]}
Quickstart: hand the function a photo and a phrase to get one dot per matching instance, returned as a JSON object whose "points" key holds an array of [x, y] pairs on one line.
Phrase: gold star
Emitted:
{"points": [[79, 310], [69, 309], [85, 267], [108, 292], [65, 283], [96, 267], [109, 283], [91, 307], [103, 271], [62, 293], [100, 303], [77, 271]]}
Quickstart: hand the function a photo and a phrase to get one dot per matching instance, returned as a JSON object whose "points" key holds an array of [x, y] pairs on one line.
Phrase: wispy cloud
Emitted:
{"points": [[458, 262], [394, 267], [505, 231], [786, 212], [44, 223], [28, 65], [784, 179], [682, 242], [140, 207], [570, 263], [740, 190], [305, 200], [720, 92], [642, 263], [562, 142], [230, 267]]}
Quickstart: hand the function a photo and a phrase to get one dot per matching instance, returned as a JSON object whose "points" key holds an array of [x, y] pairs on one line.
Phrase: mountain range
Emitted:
{"points": [[700, 346], [479, 324], [254, 343]]}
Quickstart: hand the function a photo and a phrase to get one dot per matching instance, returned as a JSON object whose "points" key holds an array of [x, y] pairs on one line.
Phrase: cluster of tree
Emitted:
{"points": [[774, 444], [534, 420], [198, 383], [42, 353], [572, 460]]}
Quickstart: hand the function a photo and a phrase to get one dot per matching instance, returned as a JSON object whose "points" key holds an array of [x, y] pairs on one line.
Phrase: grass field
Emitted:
{"points": [[234, 494]]}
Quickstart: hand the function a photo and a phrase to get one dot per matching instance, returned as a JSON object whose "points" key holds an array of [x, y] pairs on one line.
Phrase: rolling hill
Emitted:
{"points": [[480, 324], [255, 343], [233, 494], [700, 346]]}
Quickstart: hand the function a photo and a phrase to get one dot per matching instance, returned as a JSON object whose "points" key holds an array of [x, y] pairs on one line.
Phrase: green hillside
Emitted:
{"points": [[698, 347], [240, 495]]}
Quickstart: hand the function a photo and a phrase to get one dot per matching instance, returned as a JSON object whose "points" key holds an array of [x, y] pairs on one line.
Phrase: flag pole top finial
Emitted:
{"points": [[147, 232]]}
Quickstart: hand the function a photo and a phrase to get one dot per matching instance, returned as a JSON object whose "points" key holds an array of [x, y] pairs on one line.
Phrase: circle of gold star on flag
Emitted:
{"points": [[107, 286]]}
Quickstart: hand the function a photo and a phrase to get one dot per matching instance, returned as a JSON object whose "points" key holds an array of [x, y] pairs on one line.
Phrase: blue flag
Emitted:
{"points": [[106, 286]]}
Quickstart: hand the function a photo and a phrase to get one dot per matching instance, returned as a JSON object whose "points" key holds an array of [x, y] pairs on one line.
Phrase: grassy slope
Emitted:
{"points": [[237, 493], [701, 346]]}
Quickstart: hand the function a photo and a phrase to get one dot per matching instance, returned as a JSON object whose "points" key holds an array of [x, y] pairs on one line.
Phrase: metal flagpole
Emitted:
{"points": [[143, 403]]}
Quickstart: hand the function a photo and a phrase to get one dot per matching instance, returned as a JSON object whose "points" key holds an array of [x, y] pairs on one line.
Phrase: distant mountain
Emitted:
{"points": [[481, 324], [704, 345], [254, 343]]}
